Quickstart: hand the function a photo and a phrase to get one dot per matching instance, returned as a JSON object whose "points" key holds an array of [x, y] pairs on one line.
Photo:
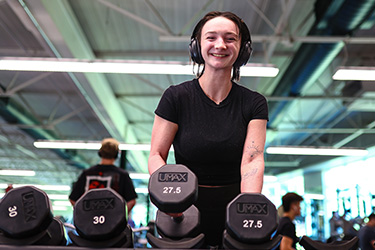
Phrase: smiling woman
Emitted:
{"points": [[217, 127]]}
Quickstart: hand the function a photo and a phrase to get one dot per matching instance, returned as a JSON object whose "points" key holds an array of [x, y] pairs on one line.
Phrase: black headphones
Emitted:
{"points": [[243, 55]]}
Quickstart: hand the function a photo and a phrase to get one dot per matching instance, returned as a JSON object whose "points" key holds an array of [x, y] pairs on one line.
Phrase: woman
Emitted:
{"points": [[217, 127]]}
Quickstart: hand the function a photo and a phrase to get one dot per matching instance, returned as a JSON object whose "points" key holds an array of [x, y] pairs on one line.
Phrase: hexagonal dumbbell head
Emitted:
{"points": [[251, 218], [173, 188], [100, 214], [24, 212]]}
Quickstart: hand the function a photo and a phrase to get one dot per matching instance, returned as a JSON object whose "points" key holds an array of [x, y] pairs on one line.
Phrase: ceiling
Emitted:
{"points": [[306, 39]]}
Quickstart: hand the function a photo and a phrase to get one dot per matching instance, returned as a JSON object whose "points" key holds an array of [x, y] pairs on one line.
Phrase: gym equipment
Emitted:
{"points": [[26, 219], [100, 220], [310, 244], [251, 223], [173, 188]]}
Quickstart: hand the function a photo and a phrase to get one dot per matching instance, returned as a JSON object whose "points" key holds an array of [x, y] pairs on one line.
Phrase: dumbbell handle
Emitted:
{"points": [[177, 217], [174, 215]]}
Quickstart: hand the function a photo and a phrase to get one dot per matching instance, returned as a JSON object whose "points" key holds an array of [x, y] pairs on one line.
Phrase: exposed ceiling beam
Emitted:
{"points": [[288, 39], [73, 36]]}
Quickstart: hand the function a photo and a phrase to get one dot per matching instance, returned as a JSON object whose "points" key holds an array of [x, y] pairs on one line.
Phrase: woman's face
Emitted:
{"points": [[220, 43]]}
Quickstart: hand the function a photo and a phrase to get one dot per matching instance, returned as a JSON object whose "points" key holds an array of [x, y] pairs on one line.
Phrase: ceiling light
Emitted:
{"points": [[316, 151], [67, 144], [139, 176], [119, 66], [58, 197], [46, 187], [89, 145], [355, 73], [17, 172], [65, 203], [59, 208]]}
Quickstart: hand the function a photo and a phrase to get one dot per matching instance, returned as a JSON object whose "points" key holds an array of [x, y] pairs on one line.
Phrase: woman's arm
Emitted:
{"points": [[163, 133], [252, 165]]}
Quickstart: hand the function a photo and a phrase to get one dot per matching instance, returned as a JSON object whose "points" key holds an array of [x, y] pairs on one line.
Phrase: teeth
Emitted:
{"points": [[219, 55]]}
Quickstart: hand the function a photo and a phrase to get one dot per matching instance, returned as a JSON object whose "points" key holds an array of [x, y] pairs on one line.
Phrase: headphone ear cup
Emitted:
{"points": [[243, 55], [195, 51]]}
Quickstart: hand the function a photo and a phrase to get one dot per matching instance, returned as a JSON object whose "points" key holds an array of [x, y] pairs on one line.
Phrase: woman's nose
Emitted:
{"points": [[220, 44]]}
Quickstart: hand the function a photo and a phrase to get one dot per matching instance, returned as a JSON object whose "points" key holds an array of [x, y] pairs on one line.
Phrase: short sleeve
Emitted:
{"points": [[167, 107], [260, 107]]}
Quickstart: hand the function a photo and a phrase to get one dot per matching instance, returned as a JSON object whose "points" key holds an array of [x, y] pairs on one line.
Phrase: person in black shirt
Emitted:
{"points": [[291, 206], [217, 127], [366, 234], [106, 175]]}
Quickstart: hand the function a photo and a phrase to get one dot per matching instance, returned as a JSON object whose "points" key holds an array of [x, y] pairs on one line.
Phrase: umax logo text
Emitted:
{"points": [[173, 177], [252, 208]]}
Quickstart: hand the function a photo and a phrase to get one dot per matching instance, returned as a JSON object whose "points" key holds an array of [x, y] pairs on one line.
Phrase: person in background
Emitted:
{"points": [[217, 126], [106, 175], [366, 234], [291, 205], [9, 187]]}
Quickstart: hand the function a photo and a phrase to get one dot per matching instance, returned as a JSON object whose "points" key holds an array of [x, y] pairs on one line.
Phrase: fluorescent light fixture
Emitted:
{"points": [[119, 66], [58, 197], [89, 145], [139, 176], [67, 145], [59, 208], [136, 147], [355, 73], [259, 70], [44, 187], [316, 151], [62, 203], [15, 172]]}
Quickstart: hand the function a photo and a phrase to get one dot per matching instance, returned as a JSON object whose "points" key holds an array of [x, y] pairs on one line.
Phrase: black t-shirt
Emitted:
{"points": [[287, 228], [210, 136], [104, 176], [366, 234]]}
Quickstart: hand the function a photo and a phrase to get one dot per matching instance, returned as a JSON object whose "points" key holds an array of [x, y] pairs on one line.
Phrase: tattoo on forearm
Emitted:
{"points": [[253, 150], [249, 174]]}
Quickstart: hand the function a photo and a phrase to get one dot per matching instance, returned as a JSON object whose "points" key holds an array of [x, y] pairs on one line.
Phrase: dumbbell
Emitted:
{"points": [[251, 223], [26, 219], [173, 189], [309, 244], [100, 219]]}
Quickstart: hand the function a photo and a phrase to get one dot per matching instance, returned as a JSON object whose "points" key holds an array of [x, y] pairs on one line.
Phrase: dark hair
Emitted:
{"points": [[290, 198], [244, 35], [109, 148]]}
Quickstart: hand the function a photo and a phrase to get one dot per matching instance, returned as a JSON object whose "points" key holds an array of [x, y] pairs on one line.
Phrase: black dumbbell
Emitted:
{"points": [[309, 244], [251, 222], [100, 218], [26, 219], [173, 188]]}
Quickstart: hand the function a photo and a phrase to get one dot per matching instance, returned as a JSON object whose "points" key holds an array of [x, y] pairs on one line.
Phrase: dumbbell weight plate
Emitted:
{"points": [[24, 212], [100, 214], [251, 218], [187, 227], [173, 188]]}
